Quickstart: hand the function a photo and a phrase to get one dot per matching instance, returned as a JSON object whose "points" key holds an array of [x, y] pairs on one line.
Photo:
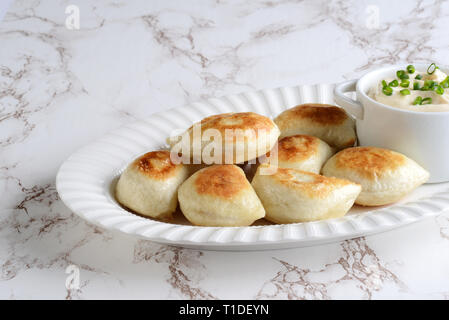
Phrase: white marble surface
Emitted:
{"points": [[61, 88]]}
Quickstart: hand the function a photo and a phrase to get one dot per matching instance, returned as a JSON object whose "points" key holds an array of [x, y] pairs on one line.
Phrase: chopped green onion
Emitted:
{"points": [[428, 85], [416, 86], [387, 91], [401, 74], [439, 90], [393, 83], [427, 100], [431, 69], [404, 92], [384, 83], [410, 69], [418, 100], [445, 82], [405, 83], [418, 77]]}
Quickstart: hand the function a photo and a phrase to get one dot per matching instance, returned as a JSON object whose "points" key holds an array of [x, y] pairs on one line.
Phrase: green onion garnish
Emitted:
{"points": [[427, 100], [445, 82], [401, 74], [394, 83], [405, 83], [404, 92], [387, 91], [418, 100], [431, 69], [439, 90], [428, 85], [418, 77], [416, 86], [410, 69], [384, 83]]}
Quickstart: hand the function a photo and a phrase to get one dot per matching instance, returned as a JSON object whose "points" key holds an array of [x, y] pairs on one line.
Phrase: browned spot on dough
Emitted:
{"points": [[350, 143], [314, 185], [297, 148], [320, 113], [233, 121], [223, 181], [370, 162], [156, 164]]}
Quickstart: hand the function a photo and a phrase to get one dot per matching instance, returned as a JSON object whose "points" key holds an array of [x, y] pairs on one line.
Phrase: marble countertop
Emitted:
{"points": [[62, 87]]}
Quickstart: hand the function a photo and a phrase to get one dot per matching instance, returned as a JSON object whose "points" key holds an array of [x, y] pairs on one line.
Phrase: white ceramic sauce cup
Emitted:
{"points": [[422, 136]]}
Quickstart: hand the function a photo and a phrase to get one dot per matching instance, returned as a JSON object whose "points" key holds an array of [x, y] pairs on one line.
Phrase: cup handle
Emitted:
{"points": [[350, 105]]}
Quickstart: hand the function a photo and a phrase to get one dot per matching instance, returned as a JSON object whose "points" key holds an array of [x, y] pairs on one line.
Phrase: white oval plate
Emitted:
{"points": [[85, 183]]}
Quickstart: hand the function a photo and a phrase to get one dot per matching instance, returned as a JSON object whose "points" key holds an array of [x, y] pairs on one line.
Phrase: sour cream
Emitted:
{"points": [[439, 102]]}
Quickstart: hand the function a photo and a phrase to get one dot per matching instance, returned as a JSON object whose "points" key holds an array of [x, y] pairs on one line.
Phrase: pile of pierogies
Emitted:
{"points": [[306, 168]]}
